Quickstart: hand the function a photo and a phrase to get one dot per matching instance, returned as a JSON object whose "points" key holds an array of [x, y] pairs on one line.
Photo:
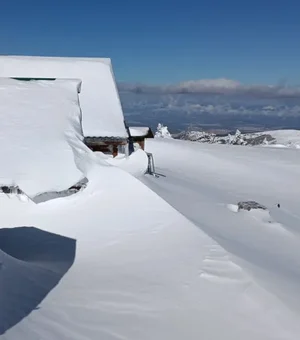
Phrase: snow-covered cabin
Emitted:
{"points": [[139, 134], [102, 115]]}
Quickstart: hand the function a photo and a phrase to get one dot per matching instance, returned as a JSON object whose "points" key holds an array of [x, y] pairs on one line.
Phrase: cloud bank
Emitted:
{"points": [[215, 86], [220, 102]]}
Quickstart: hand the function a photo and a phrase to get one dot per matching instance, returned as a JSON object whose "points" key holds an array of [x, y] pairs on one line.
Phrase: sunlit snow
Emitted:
{"points": [[156, 258]]}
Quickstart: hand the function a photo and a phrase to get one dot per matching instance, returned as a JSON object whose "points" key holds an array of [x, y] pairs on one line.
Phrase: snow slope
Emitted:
{"points": [[142, 270], [290, 138], [205, 182], [99, 99], [36, 118]]}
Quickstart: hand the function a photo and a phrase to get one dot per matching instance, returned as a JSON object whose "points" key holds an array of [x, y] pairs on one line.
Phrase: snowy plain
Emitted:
{"points": [[205, 183], [156, 258]]}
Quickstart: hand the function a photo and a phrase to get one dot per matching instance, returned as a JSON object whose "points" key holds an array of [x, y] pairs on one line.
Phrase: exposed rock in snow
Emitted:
{"points": [[262, 139], [162, 132], [249, 205], [197, 136]]}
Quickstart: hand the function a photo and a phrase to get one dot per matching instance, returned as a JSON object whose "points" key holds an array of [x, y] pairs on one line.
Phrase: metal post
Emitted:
{"points": [[130, 139]]}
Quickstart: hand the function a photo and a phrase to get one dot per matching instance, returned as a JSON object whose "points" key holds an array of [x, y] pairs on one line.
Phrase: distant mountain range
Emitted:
{"points": [[284, 138]]}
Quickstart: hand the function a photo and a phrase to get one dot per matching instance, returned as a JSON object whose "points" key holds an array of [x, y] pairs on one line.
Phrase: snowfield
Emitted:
{"points": [[155, 258], [142, 271], [205, 182]]}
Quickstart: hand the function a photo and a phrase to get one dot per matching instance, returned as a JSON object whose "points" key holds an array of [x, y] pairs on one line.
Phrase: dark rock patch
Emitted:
{"points": [[249, 205]]}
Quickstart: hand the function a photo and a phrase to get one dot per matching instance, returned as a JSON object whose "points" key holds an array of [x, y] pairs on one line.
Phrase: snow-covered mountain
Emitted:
{"points": [[288, 138]]}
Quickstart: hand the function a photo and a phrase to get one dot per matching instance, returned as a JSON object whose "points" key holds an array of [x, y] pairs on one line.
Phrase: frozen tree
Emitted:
{"points": [[162, 132], [237, 139]]}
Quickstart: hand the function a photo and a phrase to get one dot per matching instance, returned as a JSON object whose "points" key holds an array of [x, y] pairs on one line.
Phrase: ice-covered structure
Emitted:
{"points": [[39, 122], [102, 115], [139, 134]]}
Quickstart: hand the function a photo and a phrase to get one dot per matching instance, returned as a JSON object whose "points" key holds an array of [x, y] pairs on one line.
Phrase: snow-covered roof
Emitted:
{"points": [[37, 119], [139, 131], [102, 113]]}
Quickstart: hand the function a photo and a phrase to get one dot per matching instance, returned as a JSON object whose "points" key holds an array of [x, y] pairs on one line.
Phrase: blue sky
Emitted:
{"points": [[162, 41]]}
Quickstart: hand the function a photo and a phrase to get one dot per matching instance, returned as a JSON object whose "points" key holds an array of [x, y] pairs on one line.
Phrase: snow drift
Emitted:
{"points": [[210, 181], [32, 262], [36, 118], [149, 274]]}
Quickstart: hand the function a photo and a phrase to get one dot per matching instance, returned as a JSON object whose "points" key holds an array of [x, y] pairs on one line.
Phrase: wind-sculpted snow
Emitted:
{"points": [[142, 270], [210, 181], [32, 262], [35, 118]]}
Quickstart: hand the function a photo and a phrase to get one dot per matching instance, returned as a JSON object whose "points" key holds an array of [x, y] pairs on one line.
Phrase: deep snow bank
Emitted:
{"points": [[35, 118], [142, 271], [136, 164], [32, 262]]}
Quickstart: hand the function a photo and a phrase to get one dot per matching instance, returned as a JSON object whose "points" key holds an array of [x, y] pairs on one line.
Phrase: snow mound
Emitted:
{"points": [[233, 207], [136, 164], [32, 262], [36, 117], [286, 138]]}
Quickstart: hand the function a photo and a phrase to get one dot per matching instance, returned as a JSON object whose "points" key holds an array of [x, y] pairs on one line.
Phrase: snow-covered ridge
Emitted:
{"points": [[279, 138]]}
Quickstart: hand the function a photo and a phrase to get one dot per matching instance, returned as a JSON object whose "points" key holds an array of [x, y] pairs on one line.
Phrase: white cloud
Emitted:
{"points": [[209, 84], [216, 86], [219, 102]]}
